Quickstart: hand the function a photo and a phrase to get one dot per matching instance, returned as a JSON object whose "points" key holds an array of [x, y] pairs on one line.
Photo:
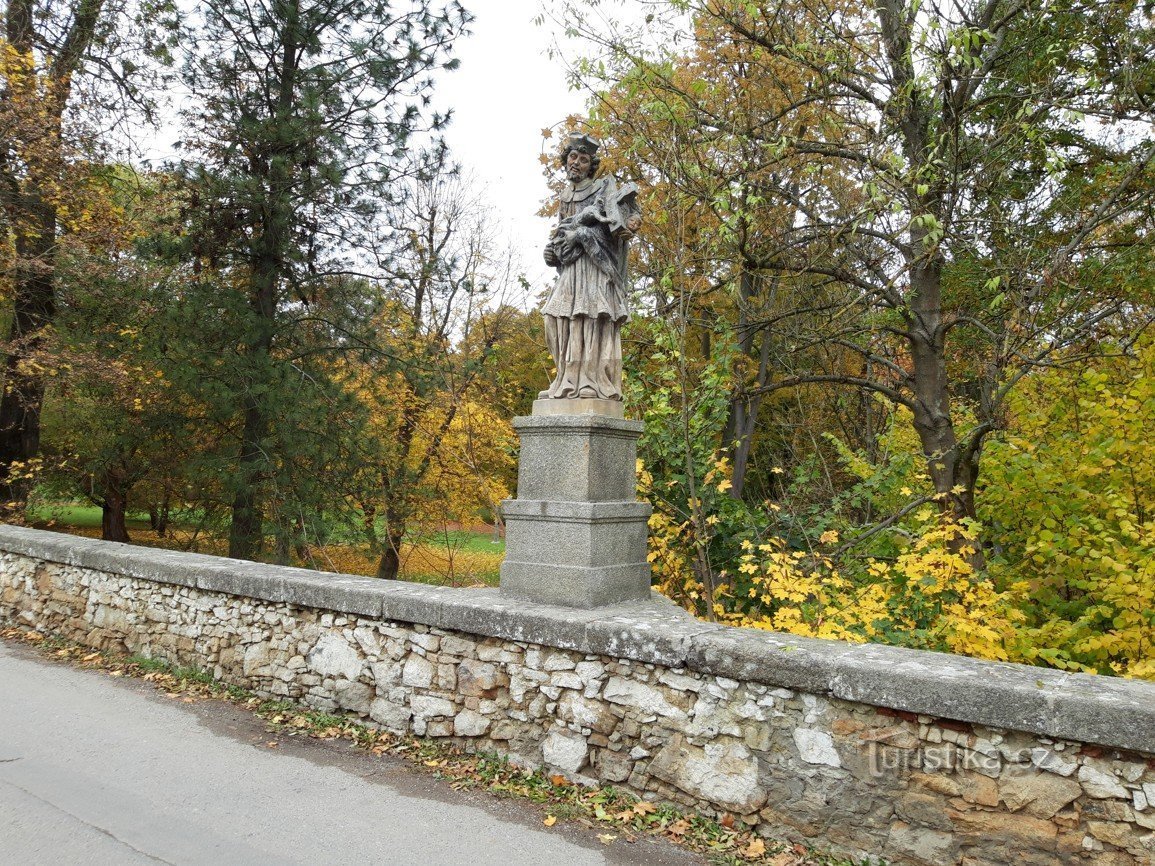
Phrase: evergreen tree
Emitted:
{"points": [[303, 115]]}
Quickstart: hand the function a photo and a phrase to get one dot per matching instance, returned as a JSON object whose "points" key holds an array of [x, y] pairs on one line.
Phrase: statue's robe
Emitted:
{"points": [[587, 306]]}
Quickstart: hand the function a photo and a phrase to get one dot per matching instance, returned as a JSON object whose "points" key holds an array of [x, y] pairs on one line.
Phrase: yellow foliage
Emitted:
{"points": [[929, 597], [1071, 489]]}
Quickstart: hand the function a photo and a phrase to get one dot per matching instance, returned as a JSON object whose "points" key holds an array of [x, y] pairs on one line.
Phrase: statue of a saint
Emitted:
{"points": [[587, 306]]}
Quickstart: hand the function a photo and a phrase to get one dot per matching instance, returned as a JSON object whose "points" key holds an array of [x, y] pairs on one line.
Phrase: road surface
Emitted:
{"points": [[98, 770]]}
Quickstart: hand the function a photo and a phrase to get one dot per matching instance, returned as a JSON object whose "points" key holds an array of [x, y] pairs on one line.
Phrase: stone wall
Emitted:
{"points": [[915, 757]]}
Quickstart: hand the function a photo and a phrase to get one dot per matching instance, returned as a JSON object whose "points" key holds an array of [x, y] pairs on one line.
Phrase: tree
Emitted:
{"points": [[1070, 491], [303, 112], [108, 421], [445, 286], [49, 53], [951, 188]]}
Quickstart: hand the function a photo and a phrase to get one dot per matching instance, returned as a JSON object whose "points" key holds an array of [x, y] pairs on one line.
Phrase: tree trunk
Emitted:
{"points": [[952, 474], [390, 565], [162, 516], [32, 220], [114, 507], [742, 420], [269, 251], [246, 535], [283, 545], [23, 394]]}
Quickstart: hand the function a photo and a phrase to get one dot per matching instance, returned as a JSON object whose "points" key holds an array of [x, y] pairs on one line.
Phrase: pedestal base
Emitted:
{"points": [[572, 586], [576, 535]]}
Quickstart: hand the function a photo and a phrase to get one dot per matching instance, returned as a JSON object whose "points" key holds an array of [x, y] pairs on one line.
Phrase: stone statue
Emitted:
{"points": [[587, 305]]}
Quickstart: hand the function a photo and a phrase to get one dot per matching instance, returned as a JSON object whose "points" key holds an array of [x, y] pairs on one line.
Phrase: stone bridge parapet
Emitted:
{"points": [[915, 757]]}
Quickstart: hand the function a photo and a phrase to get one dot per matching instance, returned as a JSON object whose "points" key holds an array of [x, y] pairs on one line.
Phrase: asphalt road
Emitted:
{"points": [[97, 770]]}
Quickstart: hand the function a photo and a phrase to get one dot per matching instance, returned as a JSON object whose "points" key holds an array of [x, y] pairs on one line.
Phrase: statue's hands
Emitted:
{"points": [[570, 248], [550, 256]]}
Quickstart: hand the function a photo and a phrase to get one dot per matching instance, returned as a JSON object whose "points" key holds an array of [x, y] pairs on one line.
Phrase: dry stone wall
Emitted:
{"points": [[912, 757]]}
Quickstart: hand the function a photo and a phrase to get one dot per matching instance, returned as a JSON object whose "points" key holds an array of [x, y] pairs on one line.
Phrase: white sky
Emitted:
{"points": [[504, 93]]}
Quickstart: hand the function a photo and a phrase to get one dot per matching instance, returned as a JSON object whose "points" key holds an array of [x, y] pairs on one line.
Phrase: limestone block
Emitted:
{"points": [[924, 810], [417, 673], [478, 678], [256, 659], [565, 751], [926, 846], [1037, 793], [353, 696], [457, 646], [428, 707], [613, 766], [334, 657], [1046, 759], [469, 723], [588, 713], [567, 680], [650, 701], [816, 747], [1100, 784], [724, 773], [504, 729]]}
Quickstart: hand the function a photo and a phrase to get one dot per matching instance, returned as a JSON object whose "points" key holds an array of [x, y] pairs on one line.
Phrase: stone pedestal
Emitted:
{"points": [[576, 534]]}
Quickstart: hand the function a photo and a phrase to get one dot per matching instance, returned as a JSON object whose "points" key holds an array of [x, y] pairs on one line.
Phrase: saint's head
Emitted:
{"points": [[579, 157]]}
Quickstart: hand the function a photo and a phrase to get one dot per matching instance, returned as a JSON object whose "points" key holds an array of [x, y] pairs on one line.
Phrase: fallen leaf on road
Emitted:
{"points": [[606, 838], [550, 820]]}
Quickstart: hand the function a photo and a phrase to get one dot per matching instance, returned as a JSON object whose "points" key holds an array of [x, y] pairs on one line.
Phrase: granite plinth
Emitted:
{"points": [[576, 534], [575, 586], [579, 534], [577, 458]]}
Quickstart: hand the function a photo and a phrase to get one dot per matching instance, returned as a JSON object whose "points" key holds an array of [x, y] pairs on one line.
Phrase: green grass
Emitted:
{"points": [[461, 539], [80, 516], [460, 544], [89, 517]]}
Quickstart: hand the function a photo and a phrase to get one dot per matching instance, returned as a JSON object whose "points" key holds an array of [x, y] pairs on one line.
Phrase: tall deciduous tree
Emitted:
{"points": [[445, 278], [978, 172], [50, 52], [303, 111]]}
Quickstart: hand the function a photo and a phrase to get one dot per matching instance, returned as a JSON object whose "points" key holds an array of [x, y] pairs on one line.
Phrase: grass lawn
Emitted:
{"points": [[456, 557], [79, 516]]}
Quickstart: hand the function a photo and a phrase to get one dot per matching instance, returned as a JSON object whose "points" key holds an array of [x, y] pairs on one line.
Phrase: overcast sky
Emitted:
{"points": [[505, 92]]}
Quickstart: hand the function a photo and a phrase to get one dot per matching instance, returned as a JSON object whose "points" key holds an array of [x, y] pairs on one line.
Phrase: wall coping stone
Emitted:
{"points": [[1106, 711]]}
